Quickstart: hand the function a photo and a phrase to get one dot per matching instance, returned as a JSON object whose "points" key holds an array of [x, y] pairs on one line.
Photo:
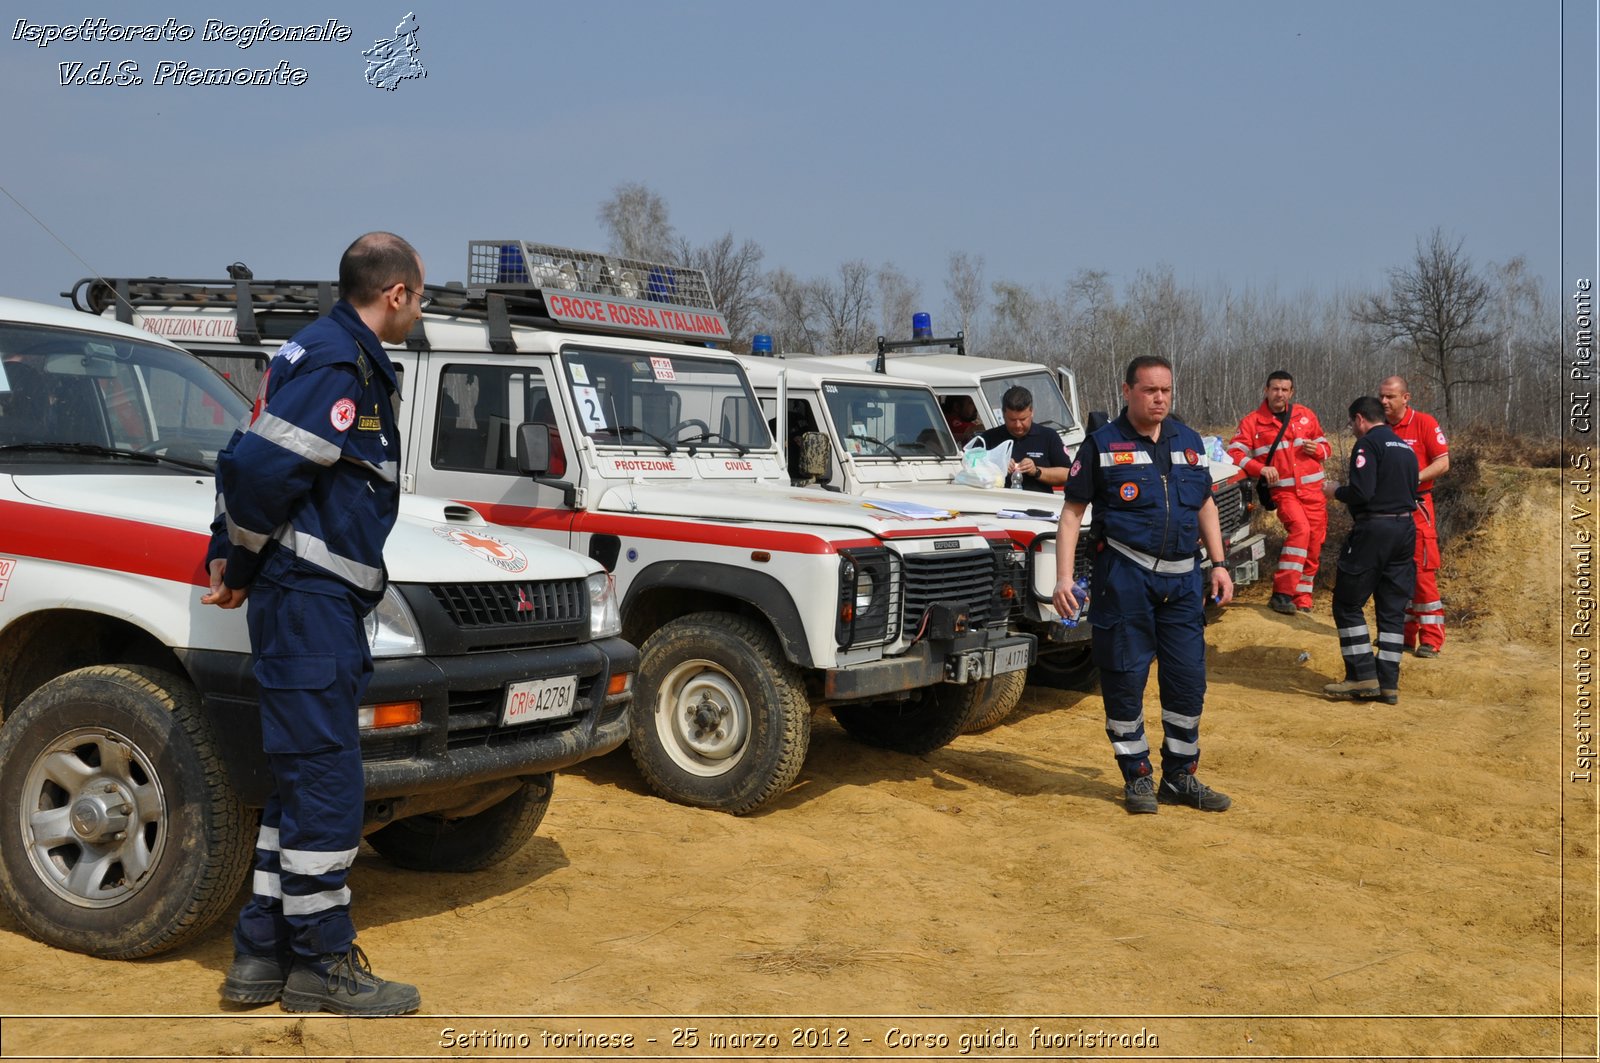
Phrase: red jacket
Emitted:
{"points": [[1296, 469]]}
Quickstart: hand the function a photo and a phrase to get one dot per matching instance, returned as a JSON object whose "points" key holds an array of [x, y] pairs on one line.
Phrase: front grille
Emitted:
{"points": [[481, 605], [1230, 507], [961, 579]]}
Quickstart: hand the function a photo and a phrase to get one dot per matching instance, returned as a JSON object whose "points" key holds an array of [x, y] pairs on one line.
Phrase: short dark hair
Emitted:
{"points": [[375, 262], [1368, 407], [1016, 399], [1144, 361], [1280, 374]]}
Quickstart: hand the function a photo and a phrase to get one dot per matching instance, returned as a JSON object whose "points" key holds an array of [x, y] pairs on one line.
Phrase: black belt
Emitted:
{"points": [[1386, 516]]}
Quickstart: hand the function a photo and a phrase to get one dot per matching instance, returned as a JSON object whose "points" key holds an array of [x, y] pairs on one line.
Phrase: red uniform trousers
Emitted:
{"points": [[1305, 524], [1425, 614]]}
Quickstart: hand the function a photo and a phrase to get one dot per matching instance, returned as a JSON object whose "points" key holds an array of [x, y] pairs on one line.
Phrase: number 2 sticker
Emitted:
{"points": [[588, 400]]}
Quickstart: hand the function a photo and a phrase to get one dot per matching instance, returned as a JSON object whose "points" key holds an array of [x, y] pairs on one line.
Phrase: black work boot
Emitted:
{"points": [[1184, 789], [344, 984], [1139, 794], [255, 979], [1282, 603]]}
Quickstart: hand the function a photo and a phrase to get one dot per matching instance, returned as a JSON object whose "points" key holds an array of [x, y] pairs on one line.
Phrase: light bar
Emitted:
{"points": [[518, 263]]}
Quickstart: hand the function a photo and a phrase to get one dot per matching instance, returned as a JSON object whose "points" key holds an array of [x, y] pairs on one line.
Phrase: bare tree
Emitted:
{"points": [[635, 220], [1436, 310], [787, 311], [897, 301], [1094, 322], [963, 283], [844, 309], [733, 273]]}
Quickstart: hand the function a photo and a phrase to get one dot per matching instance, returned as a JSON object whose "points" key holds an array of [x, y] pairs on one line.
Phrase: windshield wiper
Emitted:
{"points": [[98, 451], [705, 437], [657, 440]]}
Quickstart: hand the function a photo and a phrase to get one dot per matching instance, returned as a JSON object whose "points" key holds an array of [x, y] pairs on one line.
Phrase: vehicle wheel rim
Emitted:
{"points": [[702, 718], [93, 818]]}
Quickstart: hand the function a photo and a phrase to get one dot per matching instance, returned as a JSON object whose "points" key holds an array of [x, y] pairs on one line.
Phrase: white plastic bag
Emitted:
{"points": [[983, 466]]}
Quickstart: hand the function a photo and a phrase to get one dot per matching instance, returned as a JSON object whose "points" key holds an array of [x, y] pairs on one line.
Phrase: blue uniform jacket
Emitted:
{"points": [[308, 491], [1147, 496]]}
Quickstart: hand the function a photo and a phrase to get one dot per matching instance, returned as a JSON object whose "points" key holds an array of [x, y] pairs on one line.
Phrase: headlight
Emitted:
{"points": [[391, 629], [605, 617]]}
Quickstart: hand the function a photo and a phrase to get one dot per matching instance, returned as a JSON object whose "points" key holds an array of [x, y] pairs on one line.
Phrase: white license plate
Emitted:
{"points": [[1010, 659], [540, 699]]}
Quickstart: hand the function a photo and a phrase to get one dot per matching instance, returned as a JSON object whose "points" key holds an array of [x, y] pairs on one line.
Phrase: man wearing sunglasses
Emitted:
{"points": [[307, 494]]}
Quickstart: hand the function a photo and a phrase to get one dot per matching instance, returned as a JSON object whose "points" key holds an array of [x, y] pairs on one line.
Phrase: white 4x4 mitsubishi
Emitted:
{"points": [[130, 753], [573, 394]]}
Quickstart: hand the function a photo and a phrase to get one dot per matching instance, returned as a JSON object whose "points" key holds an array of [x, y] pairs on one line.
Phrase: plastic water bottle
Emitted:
{"points": [[1015, 483], [1080, 591]]}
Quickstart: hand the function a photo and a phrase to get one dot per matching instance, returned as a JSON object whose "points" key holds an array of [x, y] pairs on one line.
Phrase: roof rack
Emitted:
{"points": [[511, 282], [957, 343]]}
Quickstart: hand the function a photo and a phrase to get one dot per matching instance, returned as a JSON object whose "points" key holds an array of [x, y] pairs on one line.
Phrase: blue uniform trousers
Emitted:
{"points": [[313, 664], [1377, 562], [1140, 616]]}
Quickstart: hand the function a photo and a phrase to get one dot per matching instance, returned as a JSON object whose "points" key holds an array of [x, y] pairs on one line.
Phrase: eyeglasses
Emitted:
{"points": [[422, 300]]}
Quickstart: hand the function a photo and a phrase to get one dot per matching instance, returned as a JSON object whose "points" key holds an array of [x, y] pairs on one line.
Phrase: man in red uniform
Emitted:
{"points": [[1425, 615], [1293, 468]]}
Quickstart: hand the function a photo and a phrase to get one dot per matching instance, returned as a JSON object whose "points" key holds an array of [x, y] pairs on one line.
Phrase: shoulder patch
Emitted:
{"points": [[343, 415], [291, 351], [1361, 459]]}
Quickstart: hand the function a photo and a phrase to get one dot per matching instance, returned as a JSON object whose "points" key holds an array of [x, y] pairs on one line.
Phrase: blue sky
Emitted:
{"points": [[1288, 145]]}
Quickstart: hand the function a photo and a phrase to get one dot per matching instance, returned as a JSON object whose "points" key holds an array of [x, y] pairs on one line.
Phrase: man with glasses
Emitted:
{"points": [[307, 495]]}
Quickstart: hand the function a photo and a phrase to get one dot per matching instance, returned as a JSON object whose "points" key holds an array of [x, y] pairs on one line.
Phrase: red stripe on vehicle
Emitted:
{"points": [[96, 541]]}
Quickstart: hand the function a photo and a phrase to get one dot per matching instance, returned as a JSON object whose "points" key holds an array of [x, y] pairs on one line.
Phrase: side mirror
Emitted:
{"points": [[533, 448]]}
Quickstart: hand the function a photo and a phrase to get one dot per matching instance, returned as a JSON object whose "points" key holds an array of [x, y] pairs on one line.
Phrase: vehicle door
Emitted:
{"points": [[466, 438]]}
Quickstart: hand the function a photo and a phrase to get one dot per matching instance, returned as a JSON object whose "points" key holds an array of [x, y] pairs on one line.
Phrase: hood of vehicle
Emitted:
{"points": [[973, 501], [743, 501], [434, 541]]}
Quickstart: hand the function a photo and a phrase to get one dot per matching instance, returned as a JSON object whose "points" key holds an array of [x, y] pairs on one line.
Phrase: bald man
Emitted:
{"points": [[1424, 631]]}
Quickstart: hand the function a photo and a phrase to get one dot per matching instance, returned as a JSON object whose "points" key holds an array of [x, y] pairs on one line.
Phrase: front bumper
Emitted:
{"points": [[458, 743], [963, 660]]}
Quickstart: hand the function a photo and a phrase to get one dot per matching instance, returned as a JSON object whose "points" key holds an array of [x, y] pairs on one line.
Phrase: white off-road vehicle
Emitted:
{"points": [[574, 394], [885, 437], [131, 765], [958, 376]]}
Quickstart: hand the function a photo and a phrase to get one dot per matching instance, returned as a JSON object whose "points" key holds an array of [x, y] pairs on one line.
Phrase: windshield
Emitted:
{"points": [[62, 388], [1049, 407], [673, 401], [875, 419]]}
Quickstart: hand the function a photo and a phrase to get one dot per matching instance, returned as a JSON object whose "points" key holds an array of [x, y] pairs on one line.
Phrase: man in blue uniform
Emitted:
{"points": [[1037, 454], [1149, 479], [1378, 558], [306, 495]]}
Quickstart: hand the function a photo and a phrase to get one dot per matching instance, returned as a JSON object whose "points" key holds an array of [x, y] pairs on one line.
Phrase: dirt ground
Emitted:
{"points": [[1390, 882]]}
